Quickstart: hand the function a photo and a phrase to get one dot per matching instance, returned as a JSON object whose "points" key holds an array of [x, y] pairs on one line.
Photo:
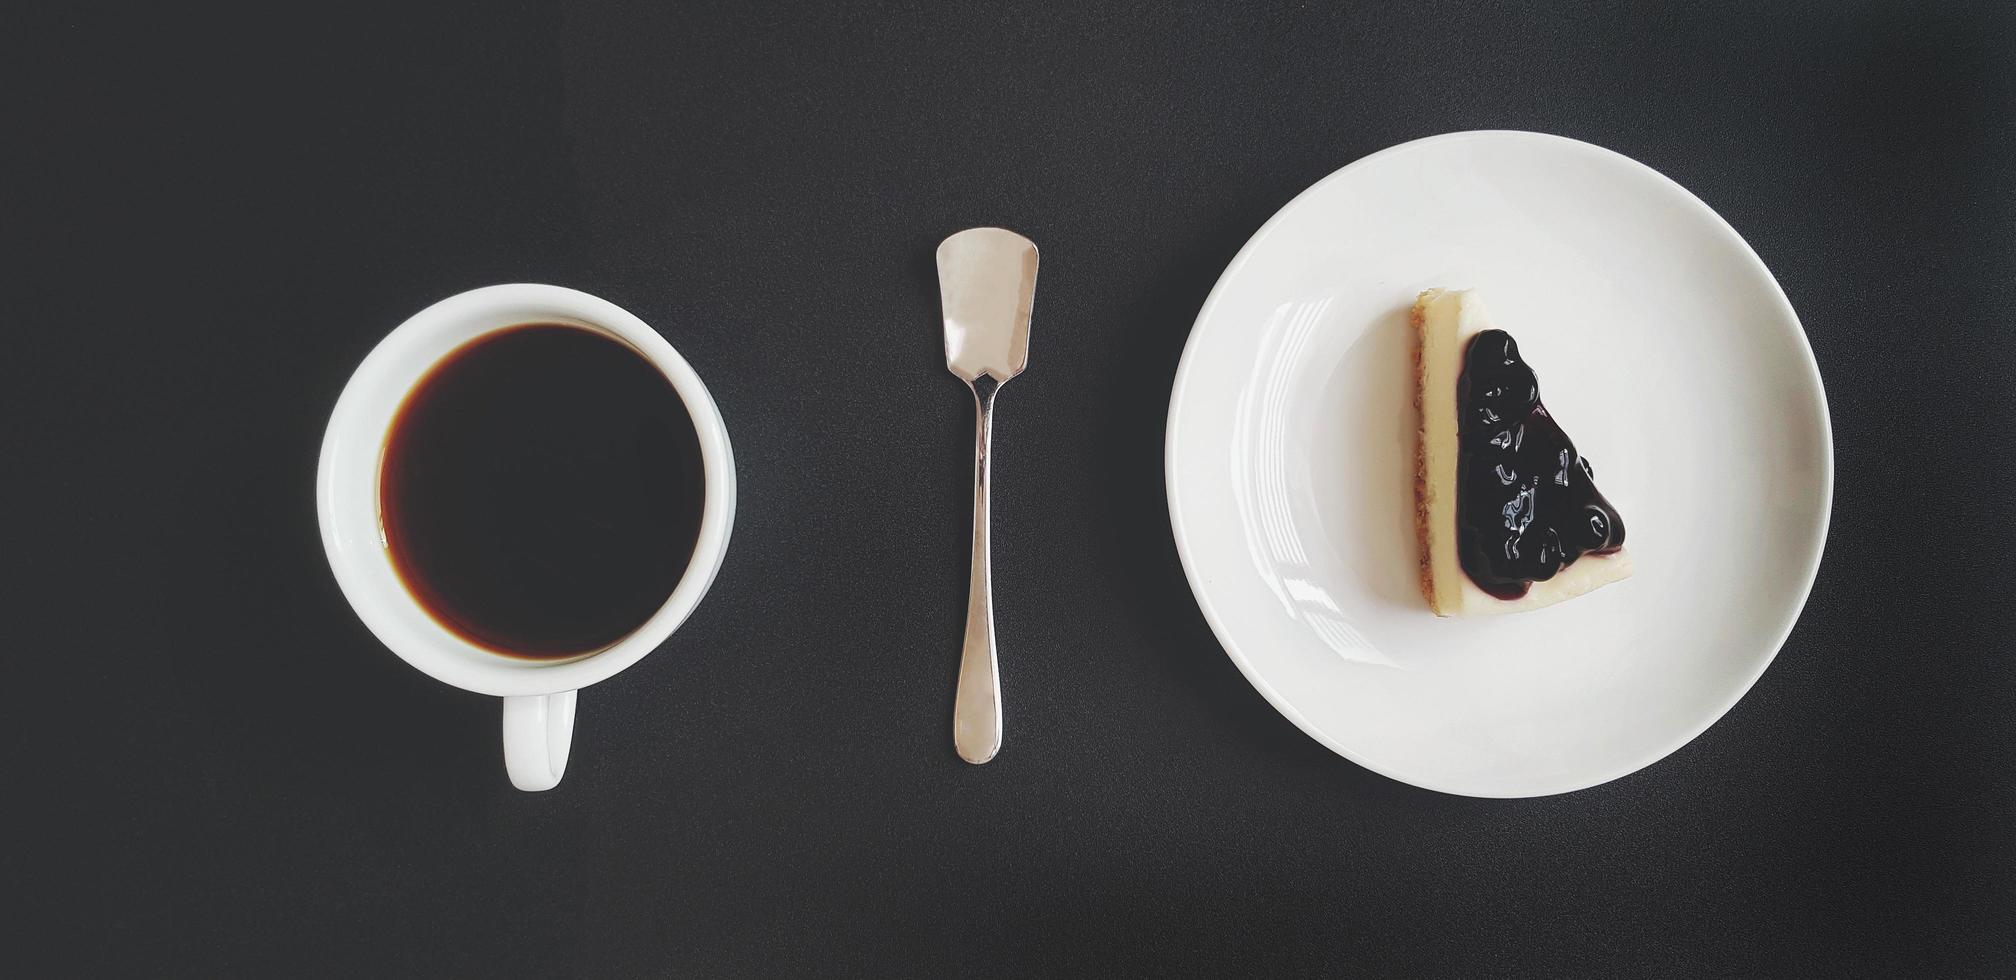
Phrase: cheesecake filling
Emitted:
{"points": [[1526, 501]]}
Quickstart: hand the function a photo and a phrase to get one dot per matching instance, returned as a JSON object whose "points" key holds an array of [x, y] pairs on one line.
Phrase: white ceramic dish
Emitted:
{"points": [[1667, 351]]}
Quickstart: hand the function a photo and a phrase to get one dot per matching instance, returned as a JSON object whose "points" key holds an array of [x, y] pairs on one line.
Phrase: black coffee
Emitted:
{"points": [[541, 491]]}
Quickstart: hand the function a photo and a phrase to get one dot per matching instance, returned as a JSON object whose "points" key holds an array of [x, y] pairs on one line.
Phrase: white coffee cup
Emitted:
{"points": [[538, 696]]}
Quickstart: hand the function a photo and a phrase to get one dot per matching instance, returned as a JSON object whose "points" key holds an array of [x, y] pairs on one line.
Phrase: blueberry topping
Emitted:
{"points": [[1526, 501]]}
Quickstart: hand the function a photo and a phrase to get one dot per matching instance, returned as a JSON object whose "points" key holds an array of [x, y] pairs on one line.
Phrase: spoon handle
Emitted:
{"points": [[976, 711]]}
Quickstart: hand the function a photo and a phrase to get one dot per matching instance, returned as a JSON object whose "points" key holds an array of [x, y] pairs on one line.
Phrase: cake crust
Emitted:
{"points": [[1416, 319]]}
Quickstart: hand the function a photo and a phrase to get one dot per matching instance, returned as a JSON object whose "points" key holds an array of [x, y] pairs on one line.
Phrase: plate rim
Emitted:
{"points": [[1815, 389]]}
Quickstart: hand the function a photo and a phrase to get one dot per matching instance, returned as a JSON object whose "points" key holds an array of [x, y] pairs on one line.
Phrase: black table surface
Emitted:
{"points": [[217, 771]]}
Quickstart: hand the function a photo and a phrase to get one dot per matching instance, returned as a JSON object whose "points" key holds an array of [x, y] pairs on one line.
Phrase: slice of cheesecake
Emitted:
{"points": [[1507, 511]]}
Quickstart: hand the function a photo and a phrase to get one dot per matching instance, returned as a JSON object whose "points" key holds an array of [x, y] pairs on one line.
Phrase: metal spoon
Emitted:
{"points": [[986, 286]]}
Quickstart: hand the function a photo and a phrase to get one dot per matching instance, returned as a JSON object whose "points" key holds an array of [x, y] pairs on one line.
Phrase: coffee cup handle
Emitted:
{"points": [[538, 732]]}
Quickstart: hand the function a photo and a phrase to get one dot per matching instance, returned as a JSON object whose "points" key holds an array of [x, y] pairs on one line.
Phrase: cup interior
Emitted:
{"points": [[353, 450]]}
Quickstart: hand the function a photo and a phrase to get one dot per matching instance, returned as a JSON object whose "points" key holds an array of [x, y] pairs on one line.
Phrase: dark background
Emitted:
{"points": [[216, 771]]}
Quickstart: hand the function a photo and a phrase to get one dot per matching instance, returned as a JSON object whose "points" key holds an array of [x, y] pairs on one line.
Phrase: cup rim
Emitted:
{"points": [[346, 491]]}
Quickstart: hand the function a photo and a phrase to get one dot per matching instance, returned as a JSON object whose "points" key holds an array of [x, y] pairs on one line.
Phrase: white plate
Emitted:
{"points": [[1668, 353]]}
